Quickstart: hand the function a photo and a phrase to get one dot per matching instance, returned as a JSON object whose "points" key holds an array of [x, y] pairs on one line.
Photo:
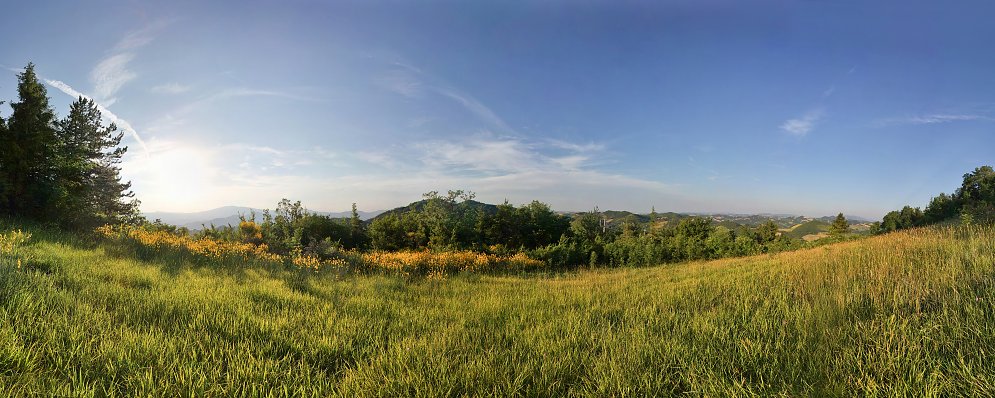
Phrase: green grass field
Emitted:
{"points": [[910, 313]]}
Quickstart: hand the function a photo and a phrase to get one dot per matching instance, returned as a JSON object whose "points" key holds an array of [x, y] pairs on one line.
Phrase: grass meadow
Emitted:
{"points": [[909, 313]]}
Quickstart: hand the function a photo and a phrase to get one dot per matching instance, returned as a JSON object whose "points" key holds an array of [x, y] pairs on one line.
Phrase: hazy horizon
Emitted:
{"points": [[660, 211], [777, 107]]}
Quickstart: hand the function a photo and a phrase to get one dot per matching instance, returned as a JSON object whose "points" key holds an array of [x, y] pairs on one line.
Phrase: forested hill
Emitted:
{"points": [[420, 206]]}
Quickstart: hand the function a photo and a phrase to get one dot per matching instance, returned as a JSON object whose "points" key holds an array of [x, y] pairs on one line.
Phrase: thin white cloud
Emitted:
{"points": [[262, 158], [176, 118], [123, 124], [402, 82], [248, 92], [409, 81], [829, 91], [481, 155], [141, 37], [804, 124], [379, 158], [488, 156], [476, 107], [570, 163], [932, 118], [570, 146], [243, 147], [110, 75], [170, 88], [112, 72]]}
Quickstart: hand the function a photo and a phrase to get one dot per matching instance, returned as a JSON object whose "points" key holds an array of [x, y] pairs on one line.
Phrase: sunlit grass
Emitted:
{"points": [[910, 313]]}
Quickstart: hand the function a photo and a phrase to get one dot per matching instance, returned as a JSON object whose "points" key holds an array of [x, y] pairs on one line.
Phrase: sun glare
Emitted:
{"points": [[177, 179]]}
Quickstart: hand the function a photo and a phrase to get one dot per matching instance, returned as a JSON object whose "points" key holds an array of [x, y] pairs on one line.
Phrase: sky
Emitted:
{"points": [[800, 107]]}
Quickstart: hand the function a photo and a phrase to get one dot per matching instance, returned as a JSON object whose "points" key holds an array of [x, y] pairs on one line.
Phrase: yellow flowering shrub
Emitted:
{"points": [[240, 254], [10, 242], [214, 250], [250, 231], [312, 263]]}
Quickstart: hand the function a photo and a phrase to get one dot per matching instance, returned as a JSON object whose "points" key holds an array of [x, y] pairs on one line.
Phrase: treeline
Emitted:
{"points": [[973, 202], [289, 230], [63, 171], [455, 222]]}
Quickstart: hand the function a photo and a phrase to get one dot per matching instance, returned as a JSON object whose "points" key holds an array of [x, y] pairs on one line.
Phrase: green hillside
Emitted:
{"points": [[420, 205], [812, 227], [909, 313]]}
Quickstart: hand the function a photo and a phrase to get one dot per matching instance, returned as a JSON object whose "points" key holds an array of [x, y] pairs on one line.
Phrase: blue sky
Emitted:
{"points": [[706, 106]]}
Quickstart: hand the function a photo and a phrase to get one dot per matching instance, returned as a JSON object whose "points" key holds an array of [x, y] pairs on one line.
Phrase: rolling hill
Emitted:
{"points": [[807, 228]]}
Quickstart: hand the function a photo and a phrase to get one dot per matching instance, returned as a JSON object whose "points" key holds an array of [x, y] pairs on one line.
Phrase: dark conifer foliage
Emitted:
{"points": [[27, 161], [88, 175], [840, 226], [62, 171]]}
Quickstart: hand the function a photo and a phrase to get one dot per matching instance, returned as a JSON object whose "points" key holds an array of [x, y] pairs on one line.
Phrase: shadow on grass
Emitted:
{"points": [[80, 239]]}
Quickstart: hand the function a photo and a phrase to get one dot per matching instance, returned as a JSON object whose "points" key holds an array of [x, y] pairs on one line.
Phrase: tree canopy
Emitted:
{"points": [[840, 226], [63, 171], [974, 200]]}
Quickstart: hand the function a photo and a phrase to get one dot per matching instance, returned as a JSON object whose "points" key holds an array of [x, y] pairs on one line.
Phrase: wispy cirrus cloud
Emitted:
{"points": [[491, 156], [170, 88], [829, 91], [802, 125], [113, 72], [932, 118], [177, 117], [402, 82], [141, 37], [380, 158], [110, 75], [250, 92], [487, 155], [476, 107], [410, 82], [570, 146]]}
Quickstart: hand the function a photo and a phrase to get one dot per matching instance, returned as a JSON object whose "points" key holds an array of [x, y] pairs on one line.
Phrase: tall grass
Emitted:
{"points": [[909, 313]]}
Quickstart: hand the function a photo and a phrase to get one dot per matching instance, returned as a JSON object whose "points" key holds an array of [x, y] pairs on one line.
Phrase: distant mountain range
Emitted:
{"points": [[229, 215]]}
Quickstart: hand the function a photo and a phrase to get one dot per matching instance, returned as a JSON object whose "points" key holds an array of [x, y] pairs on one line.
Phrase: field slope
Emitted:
{"points": [[910, 313]]}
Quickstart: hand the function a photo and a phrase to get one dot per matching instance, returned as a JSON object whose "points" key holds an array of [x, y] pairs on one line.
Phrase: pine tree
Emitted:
{"points": [[766, 232], [840, 226], [356, 234], [89, 179], [27, 161]]}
